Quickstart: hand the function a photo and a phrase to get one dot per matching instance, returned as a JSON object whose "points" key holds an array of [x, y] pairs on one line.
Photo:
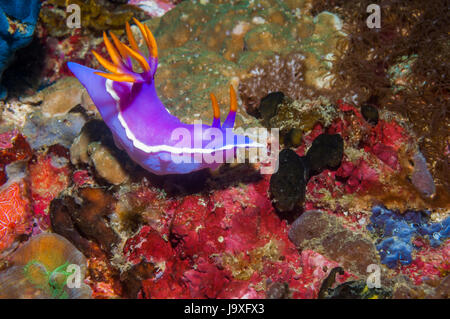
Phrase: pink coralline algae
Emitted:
{"points": [[377, 147], [428, 263], [359, 176], [232, 243], [82, 178], [383, 140], [14, 218], [58, 51], [229, 244], [49, 175]]}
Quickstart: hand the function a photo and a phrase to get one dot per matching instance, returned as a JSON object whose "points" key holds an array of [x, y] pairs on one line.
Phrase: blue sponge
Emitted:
{"points": [[17, 23], [398, 231]]}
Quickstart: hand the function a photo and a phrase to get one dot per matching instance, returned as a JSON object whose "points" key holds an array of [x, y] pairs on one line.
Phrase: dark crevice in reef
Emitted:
{"points": [[29, 62], [202, 181]]}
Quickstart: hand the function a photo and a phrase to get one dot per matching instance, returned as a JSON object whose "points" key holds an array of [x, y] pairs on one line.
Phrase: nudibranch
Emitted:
{"points": [[141, 125]]}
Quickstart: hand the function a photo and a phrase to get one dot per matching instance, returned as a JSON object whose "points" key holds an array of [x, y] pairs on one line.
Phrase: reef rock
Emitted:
{"points": [[42, 132], [13, 148], [325, 234], [421, 177], [95, 146], [85, 224], [107, 166], [61, 97]]}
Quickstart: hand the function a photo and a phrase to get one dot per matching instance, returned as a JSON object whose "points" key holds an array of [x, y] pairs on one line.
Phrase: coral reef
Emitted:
{"points": [[199, 253], [97, 16], [325, 233], [61, 43], [362, 178], [295, 117], [49, 175]]}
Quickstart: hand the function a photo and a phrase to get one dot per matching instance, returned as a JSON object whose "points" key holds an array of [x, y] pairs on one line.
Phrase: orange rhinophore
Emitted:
{"points": [[120, 65], [233, 100], [215, 106]]}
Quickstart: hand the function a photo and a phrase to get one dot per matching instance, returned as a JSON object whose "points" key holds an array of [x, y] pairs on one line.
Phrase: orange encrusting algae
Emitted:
{"points": [[13, 215]]}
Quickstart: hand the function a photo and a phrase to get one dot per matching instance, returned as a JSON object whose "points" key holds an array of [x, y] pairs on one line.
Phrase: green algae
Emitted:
{"points": [[54, 280]]}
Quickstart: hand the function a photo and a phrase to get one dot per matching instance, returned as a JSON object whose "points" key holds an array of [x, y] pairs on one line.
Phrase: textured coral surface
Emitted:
{"points": [[361, 184]]}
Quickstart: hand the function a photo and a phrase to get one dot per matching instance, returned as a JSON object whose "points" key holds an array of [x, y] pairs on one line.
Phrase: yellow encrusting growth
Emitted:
{"points": [[120, 67]]}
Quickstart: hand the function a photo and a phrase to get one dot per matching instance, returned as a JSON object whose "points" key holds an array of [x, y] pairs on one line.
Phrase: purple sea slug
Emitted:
{"points": [[140, 123]]}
